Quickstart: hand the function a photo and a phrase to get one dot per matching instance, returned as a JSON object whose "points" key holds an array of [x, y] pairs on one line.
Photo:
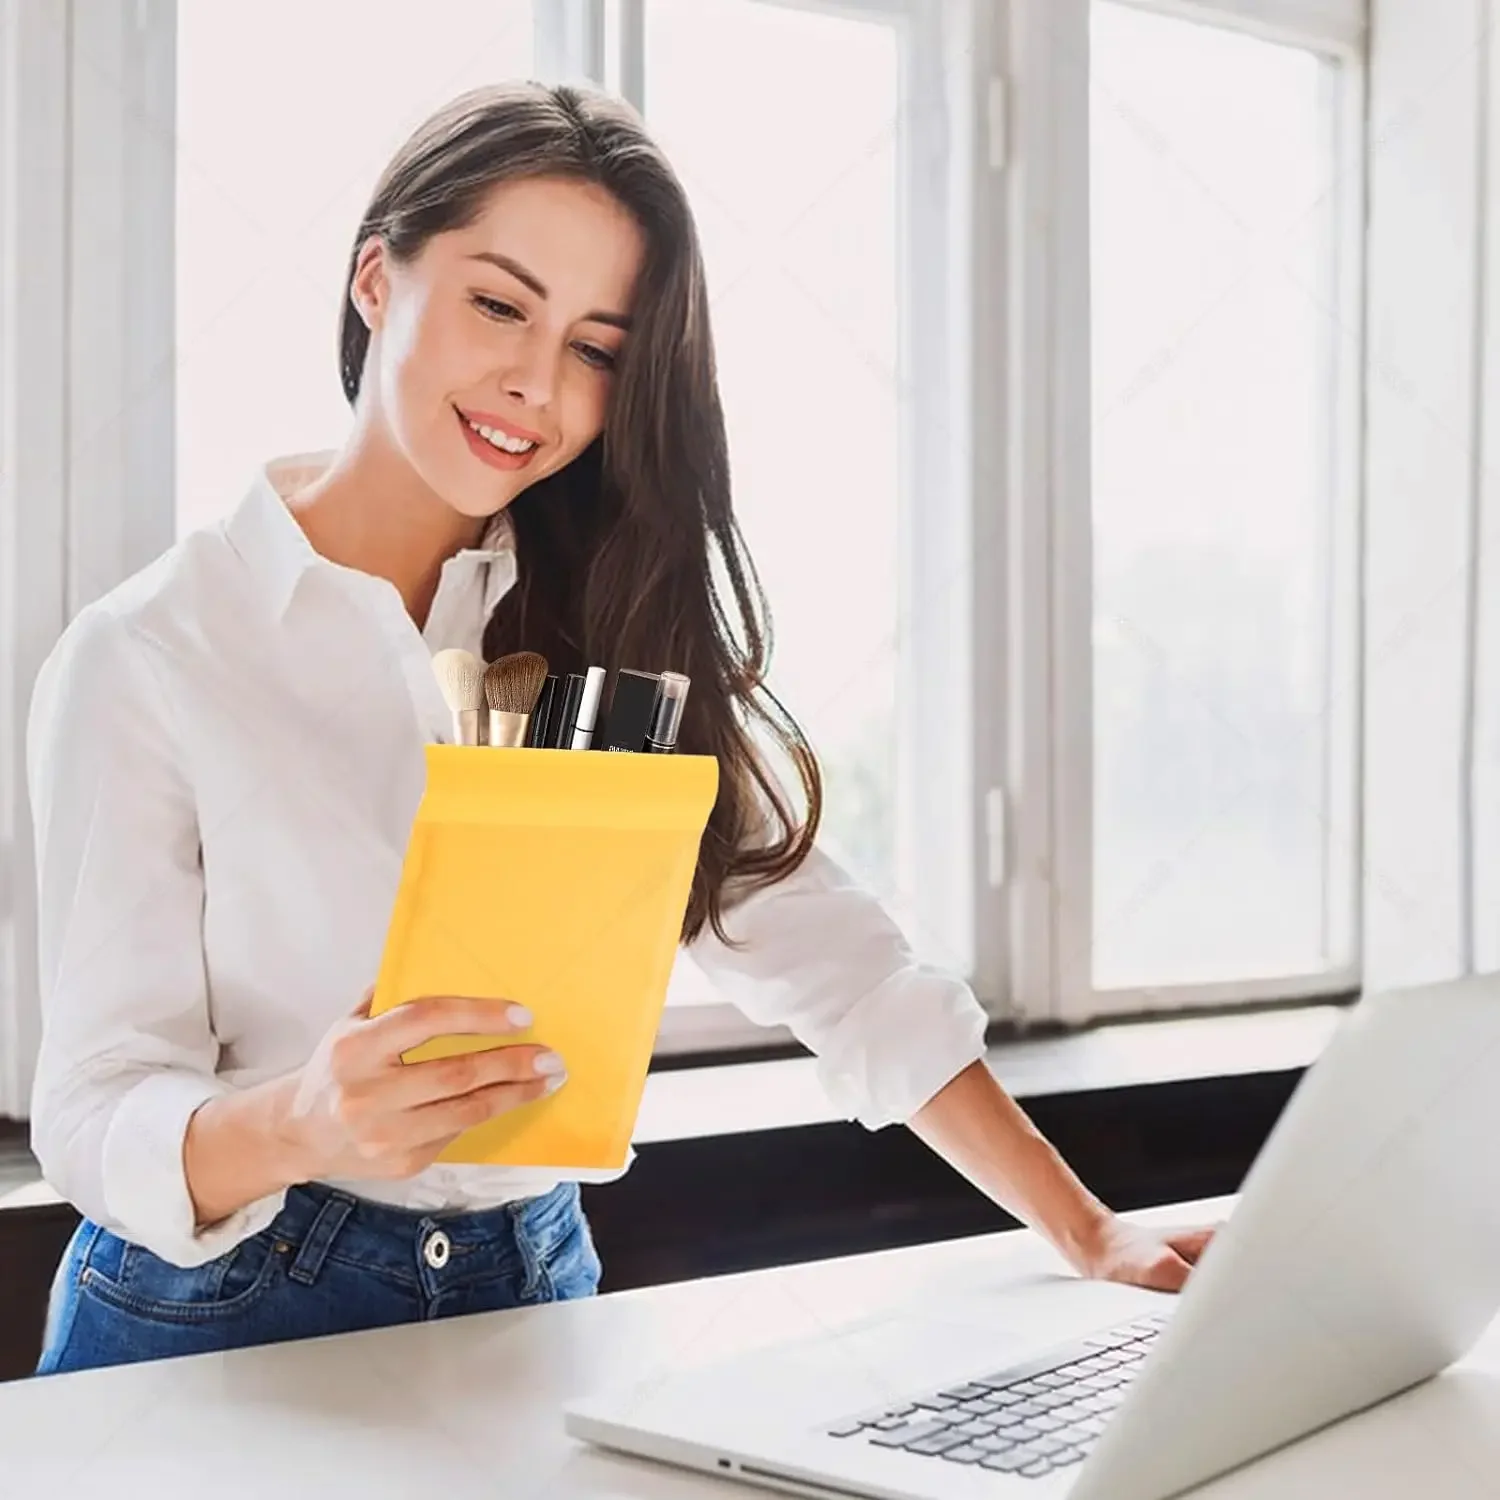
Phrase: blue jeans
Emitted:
{"points": [[329, 1263]]}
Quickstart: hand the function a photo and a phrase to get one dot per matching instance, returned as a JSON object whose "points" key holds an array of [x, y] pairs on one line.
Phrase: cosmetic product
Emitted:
{"points": [[565, 715], [661, 737], [460, 676], [541, 715], [588, 709], [511, 686], [631, 710]]}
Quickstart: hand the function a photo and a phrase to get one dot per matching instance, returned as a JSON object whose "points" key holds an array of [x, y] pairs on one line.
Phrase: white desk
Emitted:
{"points": [[470, 1407]]}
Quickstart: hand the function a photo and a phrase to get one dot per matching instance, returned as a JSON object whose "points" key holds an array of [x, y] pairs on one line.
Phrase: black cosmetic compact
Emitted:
{"points": [[631, 711]]}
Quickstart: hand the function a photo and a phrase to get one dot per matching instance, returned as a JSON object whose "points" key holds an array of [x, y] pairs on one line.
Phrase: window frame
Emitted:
{"points": [[1053, 887]]}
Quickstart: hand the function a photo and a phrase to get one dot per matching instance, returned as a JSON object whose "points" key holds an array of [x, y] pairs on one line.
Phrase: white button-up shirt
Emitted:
{"points": [[225, 755]]}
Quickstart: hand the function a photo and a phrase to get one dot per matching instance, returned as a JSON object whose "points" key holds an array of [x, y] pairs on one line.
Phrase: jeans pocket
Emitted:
{"points": [[129, 1277]]}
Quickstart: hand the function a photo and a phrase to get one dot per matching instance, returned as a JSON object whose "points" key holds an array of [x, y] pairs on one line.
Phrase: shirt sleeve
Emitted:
{"points": [[819, 954], [128, 1052]]}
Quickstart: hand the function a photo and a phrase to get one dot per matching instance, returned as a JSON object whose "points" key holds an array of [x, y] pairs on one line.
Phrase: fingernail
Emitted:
{"points": [[555, 1083], [549, 1063], [518, 1015]]}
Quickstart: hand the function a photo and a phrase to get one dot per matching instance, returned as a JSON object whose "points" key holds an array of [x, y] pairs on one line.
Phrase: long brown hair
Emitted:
{"points": [[618, 553]]}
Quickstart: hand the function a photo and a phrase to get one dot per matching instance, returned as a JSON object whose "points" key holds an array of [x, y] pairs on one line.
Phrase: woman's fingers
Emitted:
{"points": [[406, 1026], [432, 1124], [399, 1115], [439, 1078], [1190, 1243], [1168, 1272]]}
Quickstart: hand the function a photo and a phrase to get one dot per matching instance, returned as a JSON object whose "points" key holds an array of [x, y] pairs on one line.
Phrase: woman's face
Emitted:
{"points": [[513, 324]]}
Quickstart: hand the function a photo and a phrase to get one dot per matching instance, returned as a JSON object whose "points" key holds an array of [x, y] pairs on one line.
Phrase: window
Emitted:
{"points": [[816, 259], [286, 114], [798, 208], [1184, 272], [1221, 848]]}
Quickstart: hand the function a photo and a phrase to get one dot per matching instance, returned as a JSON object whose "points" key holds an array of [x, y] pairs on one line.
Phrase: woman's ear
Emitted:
{"points": [[370, 287]]}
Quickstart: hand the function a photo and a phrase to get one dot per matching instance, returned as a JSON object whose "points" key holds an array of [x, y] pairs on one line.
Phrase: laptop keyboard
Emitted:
{"points": [[1027, 1420]]}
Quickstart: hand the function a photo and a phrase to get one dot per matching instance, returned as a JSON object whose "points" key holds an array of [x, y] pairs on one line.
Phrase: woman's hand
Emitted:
{"points": [[978, 1128], [355, 1110], [1158, 1259]]}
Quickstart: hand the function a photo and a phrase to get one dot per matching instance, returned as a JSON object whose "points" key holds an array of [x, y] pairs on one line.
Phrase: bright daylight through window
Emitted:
{"points": [[1218, 504]]}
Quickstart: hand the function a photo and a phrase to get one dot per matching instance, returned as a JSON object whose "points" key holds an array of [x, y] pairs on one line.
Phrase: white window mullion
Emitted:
{"points": [[979, 359], [1345, 630], [1050, 746], [625, 50], [1070, 496], [936, 833], [33, 470], [1483, 750], [570, 41]]}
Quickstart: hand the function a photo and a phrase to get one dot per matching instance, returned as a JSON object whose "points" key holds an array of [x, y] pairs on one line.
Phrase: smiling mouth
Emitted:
{"points": [[516, 447]]}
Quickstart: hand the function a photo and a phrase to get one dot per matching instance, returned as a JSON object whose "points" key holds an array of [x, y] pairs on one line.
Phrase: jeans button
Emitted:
{"points": [[437, 1249]]}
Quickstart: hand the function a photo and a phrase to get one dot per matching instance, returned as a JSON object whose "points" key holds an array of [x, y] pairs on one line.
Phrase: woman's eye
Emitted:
{"points": [[591, 354], [493, 308]]}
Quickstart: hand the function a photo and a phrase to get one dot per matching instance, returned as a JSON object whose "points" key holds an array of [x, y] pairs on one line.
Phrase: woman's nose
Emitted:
{"points": [[531, 376]]}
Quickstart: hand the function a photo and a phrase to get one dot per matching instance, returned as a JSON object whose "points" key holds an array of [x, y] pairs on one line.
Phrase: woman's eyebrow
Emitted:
{"points": [[530, 281]]}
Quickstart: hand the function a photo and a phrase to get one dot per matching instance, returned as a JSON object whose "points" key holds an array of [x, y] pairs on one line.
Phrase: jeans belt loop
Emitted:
{"points": [[325, 1228], [525, 1246]]}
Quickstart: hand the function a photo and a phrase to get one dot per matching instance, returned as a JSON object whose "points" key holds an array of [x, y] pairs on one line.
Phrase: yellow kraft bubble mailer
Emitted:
{"points": [[557, 879]]}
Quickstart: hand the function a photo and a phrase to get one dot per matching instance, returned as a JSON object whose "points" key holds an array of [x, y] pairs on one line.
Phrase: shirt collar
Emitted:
{"points": [[267, 537]]}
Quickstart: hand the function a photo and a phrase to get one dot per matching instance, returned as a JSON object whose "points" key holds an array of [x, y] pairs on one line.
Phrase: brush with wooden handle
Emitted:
{"points": [[511, 686], [460, 675]]}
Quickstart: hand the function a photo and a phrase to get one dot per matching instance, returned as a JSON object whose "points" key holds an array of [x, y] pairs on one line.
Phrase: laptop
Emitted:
{"points": [[1321, 1297]]}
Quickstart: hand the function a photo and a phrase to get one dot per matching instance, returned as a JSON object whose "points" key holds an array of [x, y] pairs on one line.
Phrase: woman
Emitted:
{"points": [[225, 756]]}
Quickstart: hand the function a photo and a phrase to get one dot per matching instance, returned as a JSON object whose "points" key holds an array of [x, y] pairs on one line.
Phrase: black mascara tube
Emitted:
{"points": [[588, 710], [565, 720], [541, 714], [661, 738], [631, 710]]}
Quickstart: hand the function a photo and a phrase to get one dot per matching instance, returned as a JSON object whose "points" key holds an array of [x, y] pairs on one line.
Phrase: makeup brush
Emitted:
{"points": [[511, 686], [460, 675]]}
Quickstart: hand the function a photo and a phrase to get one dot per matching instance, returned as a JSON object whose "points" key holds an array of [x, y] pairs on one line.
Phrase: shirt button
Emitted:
{"points": [[437, 1249]]}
